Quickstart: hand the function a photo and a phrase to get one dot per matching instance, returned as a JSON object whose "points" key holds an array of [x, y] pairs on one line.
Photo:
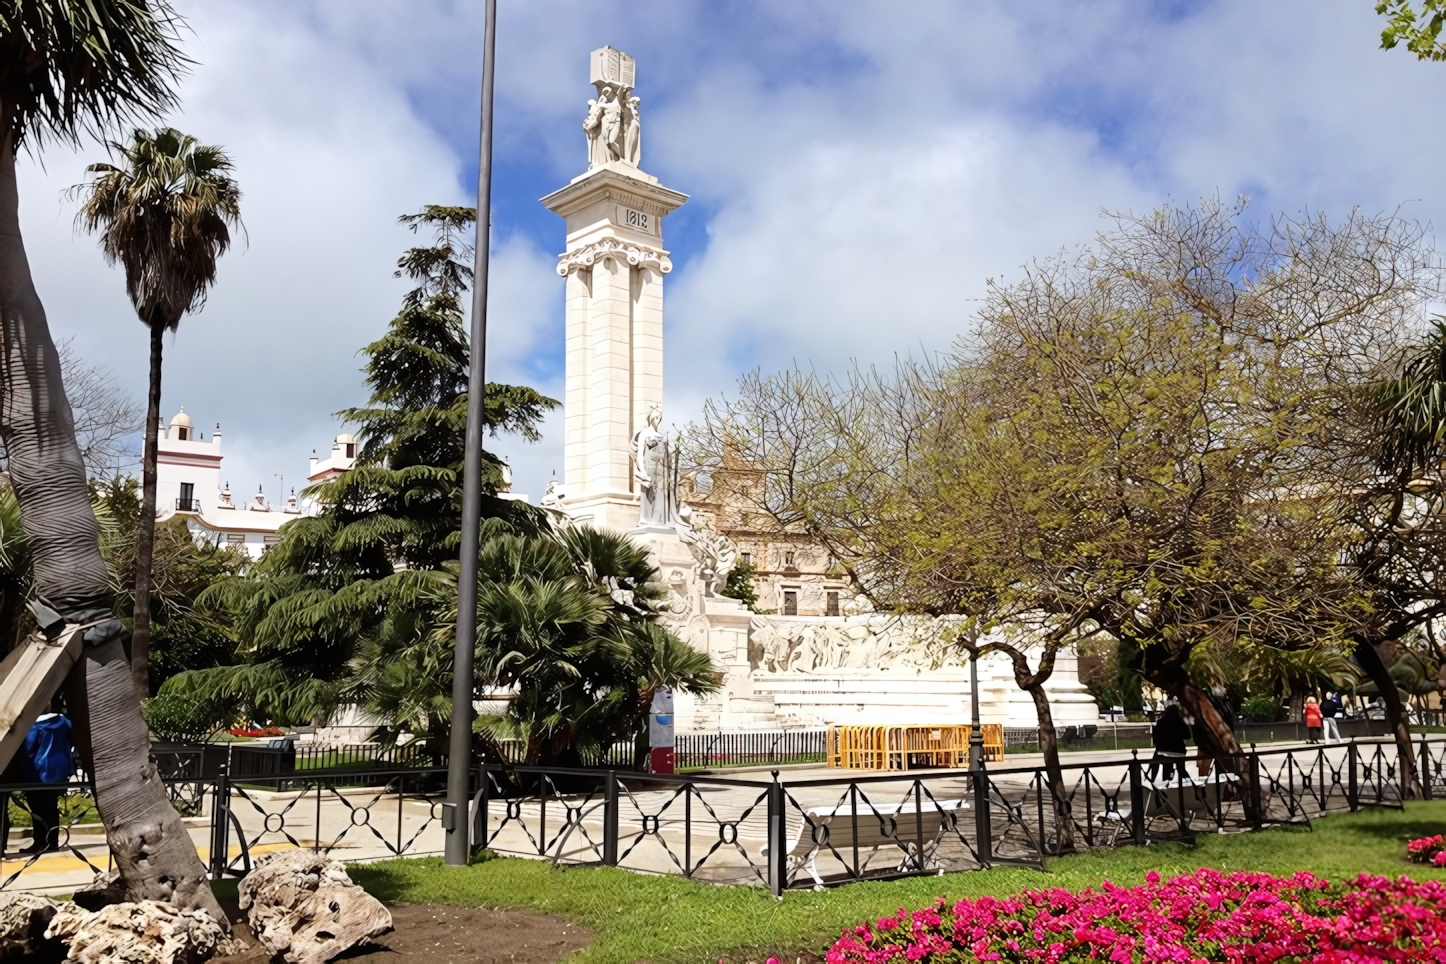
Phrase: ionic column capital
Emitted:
{"points": [[636, 255]]}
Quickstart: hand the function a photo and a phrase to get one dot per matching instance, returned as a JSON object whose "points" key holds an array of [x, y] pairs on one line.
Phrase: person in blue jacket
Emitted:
{"points": [[47, 758]]}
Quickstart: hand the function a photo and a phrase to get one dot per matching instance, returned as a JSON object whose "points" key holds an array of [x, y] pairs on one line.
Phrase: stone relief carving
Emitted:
{"points": [[716, 555], [635, 255], [868, 645]]}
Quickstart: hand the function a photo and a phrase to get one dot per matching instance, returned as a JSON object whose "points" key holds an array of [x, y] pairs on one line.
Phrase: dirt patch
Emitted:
{"points": [[436, 934]]}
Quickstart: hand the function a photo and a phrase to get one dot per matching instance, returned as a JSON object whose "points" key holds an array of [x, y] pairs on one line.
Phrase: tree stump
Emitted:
{"points": [[23, 920], [144, 932], [304, 907]]}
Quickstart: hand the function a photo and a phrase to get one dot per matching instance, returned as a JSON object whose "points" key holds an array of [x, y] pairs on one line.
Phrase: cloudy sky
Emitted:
{"points": [[856, 172]]}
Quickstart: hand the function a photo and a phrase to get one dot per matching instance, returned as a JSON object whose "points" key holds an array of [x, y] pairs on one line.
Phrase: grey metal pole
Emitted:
{"points": [[976, 733], [455, 814]]}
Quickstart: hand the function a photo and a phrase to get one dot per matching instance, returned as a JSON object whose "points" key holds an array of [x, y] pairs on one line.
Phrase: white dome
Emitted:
{"points": [[345, 438], [182, 420]]}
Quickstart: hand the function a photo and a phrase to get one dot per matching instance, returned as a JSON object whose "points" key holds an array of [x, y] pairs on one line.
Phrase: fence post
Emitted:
{"points": [[1425, 769], [983, 832], [1137, 799], [220, 825], [1256, 801], [610, 820], [1353, 789], [776, 846], [480, 822]]}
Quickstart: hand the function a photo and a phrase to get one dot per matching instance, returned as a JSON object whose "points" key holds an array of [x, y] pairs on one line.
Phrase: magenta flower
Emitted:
{"points": [[1207, 916]]}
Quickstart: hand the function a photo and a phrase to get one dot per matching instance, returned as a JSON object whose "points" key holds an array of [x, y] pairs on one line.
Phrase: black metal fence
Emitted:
{"points": [[766, 829], [816, 832]]}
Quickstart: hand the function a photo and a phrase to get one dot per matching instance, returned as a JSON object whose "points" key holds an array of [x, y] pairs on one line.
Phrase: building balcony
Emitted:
{"points": [[188, 505]]}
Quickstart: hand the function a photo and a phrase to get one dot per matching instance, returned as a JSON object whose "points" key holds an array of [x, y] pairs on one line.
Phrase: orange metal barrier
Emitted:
{"points": [[907, 747]]}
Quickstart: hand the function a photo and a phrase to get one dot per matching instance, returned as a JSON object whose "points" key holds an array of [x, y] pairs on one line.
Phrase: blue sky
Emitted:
{"points": [[857, 170]]}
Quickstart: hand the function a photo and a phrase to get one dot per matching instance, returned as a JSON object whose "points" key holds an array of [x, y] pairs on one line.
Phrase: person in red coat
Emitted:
{"points": [[1312, 720]]}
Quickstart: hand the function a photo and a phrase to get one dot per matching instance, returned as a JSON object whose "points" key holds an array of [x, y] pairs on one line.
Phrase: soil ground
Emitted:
{"points": [[422, 934], [435, 934]]}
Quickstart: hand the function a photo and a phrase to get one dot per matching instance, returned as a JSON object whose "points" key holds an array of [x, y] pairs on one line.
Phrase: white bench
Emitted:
{"points": [[879, 827], [1160, 793]]}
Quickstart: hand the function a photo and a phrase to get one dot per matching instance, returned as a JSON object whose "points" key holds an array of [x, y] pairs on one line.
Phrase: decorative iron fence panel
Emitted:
{"points": [[768, 829]]}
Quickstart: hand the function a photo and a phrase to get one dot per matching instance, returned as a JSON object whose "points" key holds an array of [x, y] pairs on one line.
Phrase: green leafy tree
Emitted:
{"points": [[358, 604], [1137, 442], [740, 586], [389, 527], [1400, 433], [67, 70], [567, 624], [165, 215], [184, 635], [1420, 30]]}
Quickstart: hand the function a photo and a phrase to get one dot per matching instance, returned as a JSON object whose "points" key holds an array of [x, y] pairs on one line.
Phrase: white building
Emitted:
{"points": [[191, 484]]}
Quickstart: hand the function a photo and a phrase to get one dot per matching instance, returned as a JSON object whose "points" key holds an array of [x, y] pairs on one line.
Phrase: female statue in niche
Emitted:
{"points": [[653, 463]]}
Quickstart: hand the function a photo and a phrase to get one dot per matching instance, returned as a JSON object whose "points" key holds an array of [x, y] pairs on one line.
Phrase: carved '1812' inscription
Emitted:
{"points": [[639, 220]]}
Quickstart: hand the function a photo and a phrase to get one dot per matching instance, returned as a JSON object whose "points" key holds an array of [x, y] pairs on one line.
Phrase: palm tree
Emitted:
{"points": [[567, 624], [165, 215], [68, 69], [1410, 429]]}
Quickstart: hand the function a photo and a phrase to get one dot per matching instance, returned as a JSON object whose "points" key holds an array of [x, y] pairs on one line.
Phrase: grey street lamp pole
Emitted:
{"points": [[976, 733], [456, 820]]}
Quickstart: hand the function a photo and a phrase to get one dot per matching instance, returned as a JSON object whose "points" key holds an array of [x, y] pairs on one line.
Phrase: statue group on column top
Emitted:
{"points": [[613, 127]]}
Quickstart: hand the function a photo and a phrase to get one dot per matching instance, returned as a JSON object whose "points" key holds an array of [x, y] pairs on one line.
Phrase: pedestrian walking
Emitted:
{"points": [[1169, 735], [1312, 720], [47, 759], [1330, 709]]}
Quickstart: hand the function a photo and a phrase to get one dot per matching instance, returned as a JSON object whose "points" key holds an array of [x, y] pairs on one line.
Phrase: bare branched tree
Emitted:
{"points": [[108, 418]]}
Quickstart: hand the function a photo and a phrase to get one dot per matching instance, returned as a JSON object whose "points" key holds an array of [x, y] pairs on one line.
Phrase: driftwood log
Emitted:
{"points": [[23, 920], [304, 907], [144, 932]]}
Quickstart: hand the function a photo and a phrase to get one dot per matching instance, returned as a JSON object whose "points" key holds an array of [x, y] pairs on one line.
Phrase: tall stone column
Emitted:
{"points": [[614, 265]]}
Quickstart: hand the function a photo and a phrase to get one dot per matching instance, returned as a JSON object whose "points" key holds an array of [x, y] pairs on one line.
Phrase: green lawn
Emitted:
{"points": [[668, 920]]}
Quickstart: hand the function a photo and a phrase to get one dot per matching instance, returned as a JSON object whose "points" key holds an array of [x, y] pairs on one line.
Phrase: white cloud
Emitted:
{"points": [[859, 169], [327, 156]]}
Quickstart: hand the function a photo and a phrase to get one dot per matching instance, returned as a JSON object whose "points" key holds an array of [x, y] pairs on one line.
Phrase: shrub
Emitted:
{"points": [[1427, 850], [1204, 916], [184, 719], [1260, 709]]}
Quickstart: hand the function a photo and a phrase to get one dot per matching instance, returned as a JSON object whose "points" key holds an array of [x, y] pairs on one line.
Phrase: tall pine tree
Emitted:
{"points": [[389, 525], [358, 604]]}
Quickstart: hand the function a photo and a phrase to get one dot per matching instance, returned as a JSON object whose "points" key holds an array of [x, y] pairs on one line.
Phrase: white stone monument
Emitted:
{"points": [[614, 265], [778, 670]]}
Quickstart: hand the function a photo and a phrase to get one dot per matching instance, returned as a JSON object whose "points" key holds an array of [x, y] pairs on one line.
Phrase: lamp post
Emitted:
{"points": [[459, 757], [976, 733]]}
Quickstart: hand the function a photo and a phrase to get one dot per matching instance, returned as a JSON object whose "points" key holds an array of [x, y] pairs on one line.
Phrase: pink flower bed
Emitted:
{"points": [[1427, 850], [1201, 917]]}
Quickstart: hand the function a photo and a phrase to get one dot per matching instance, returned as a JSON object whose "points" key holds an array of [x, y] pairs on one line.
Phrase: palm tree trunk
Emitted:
{"points": [[146, 524], [152, 848]]}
